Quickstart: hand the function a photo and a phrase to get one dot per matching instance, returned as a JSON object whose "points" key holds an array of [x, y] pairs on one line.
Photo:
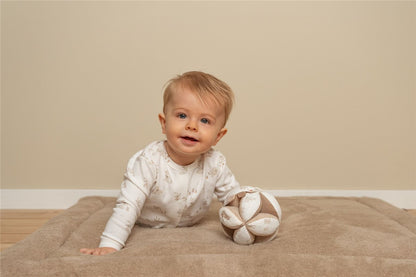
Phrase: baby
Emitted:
{"points": [[171, 183]]}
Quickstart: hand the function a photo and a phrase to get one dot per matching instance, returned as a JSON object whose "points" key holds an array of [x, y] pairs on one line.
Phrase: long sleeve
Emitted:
{"points": [[226, 182], [135, 188]]}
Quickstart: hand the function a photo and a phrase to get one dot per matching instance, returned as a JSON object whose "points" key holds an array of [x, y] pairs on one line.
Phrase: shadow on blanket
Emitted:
{"points": [[319, 236]]}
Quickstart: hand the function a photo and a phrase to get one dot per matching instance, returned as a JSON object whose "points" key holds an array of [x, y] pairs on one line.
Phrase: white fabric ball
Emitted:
{"points": [[250, 215]]}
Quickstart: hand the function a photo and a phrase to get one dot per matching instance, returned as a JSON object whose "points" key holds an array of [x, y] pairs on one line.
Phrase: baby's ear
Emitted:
{"points": [[162, 120], [220, 134]]}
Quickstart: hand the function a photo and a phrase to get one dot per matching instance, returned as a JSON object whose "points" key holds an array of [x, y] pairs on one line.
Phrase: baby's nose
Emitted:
{"points": [[191, 126]]}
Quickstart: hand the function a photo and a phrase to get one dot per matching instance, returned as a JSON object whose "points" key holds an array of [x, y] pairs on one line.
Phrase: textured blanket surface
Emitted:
{"points": [[319, 236]]}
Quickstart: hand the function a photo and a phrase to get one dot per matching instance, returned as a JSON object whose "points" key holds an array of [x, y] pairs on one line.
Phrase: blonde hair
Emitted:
{"points": [[206, 86]]}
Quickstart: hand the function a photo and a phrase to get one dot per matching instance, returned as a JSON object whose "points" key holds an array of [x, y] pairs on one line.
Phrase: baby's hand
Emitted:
{"points": [[98, 251]]}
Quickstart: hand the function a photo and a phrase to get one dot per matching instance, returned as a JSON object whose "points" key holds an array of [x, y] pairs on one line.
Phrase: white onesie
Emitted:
{"points": [[157, 192]]}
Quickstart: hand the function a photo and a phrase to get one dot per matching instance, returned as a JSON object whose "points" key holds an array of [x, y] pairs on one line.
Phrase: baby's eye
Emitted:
{"points": [[182, 115], [205, 120]]}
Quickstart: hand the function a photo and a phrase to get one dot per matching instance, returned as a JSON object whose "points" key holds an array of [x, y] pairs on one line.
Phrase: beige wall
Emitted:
{"points": [[325, 90]]}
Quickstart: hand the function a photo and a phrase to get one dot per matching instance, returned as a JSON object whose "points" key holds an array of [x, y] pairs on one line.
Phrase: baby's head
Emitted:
{"points": [[207, 87], [196, 107]]}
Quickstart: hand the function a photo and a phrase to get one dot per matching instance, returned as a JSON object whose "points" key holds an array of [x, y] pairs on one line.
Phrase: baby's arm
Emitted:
{"points": [[226, 183], [134, 191], [121, 222]]}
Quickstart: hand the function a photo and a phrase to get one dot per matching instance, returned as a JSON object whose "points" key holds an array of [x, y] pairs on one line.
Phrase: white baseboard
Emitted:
{"points": [[62, 199], [404, 199], [47, 198]]}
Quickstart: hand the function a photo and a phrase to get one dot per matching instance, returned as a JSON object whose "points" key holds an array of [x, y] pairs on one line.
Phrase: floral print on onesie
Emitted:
{"points": [[157, 192]]}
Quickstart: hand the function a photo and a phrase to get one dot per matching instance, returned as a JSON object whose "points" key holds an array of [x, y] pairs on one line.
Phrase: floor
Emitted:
{"points": [[15, 225]]}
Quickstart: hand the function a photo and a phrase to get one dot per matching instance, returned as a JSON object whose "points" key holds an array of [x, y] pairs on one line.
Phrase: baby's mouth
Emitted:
{"points": [[189, 138]]}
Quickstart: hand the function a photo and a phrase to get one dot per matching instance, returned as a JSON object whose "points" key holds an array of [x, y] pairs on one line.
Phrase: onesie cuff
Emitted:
{"points": [[108, 242]]}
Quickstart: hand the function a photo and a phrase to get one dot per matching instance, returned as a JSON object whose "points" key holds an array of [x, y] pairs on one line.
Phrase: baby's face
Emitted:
{"points": [[191, 126]]}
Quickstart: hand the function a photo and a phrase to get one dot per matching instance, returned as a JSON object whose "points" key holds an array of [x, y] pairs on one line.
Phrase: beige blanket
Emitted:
{"points": [[319, 236]]}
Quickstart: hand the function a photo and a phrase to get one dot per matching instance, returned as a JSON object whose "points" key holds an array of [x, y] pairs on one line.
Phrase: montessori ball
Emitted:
{"points": [[250, 216]]}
